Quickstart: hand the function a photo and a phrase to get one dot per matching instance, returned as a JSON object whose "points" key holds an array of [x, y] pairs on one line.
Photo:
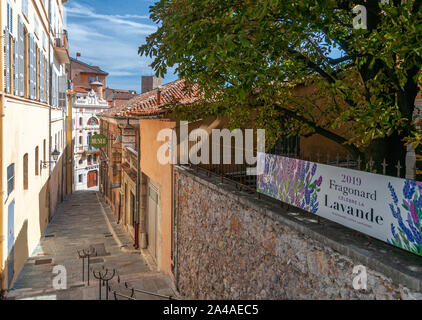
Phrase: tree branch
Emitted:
{"points": [[354, 151]]}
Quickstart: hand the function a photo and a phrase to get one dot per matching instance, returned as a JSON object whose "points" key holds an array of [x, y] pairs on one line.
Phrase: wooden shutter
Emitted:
{"points": [[41, 76], [8, 17], [9, 22], [16, 67], [21, 56], [31, 67], [7, 61], [30, 64], [25, 7], [47, 86]]}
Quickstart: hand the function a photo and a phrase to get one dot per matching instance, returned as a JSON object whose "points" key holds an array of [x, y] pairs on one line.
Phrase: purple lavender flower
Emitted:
{"points": [[415, 232], [393, 211], [408, 189], [314, 167], [307, 167], [307, 196], [393, 193], [419, 202], [414, 214], [319, 181], [408, 233], [393, 231]]}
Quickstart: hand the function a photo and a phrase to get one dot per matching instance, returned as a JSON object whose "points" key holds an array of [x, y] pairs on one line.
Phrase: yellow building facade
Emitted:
{"points": [[33, 144]]}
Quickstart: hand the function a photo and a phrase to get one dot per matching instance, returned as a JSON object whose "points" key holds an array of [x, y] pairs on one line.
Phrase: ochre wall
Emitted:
{"points": [[161, 175]]}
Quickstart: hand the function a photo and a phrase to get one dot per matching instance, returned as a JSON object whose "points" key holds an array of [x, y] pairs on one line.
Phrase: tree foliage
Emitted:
{"points": [[250, 56]]}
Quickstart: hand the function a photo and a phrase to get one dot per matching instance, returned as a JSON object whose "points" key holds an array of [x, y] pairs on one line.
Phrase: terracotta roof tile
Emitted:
{"points": [[147, 105], [80, 89]]}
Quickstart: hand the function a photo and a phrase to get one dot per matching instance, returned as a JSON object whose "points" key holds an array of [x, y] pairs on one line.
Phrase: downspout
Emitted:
{"points": [[138, 183], [50, 93], [1, 157]]}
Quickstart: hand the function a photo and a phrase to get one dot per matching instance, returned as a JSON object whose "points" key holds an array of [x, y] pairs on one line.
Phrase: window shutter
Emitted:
{"points": [[25, 7], [9, 23], [41, 76], [16, 67], [34, 68], [30, 65], [21, 55], [11, 20], [47, 86], [8, 17], [7, 62]]}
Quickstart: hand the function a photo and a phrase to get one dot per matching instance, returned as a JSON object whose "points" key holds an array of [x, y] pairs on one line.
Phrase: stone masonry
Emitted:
{"points": [[232, 245]]}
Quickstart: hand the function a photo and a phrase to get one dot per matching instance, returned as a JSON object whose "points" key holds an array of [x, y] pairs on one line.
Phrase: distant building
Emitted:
{"points": [[150, 83], [88, 86], [116, 97]]}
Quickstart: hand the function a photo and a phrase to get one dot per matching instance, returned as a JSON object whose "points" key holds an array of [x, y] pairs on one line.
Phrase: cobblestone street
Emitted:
{"points": [[84, 220]]}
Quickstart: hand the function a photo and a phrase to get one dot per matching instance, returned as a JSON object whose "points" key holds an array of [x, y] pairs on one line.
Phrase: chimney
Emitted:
{"points": [[159, 96], [78, 55], [150, 83]]}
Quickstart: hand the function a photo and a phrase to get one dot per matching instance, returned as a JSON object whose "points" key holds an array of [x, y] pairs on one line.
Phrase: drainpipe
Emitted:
{"points": [[50, 97], [2, 237], [138, 182]]}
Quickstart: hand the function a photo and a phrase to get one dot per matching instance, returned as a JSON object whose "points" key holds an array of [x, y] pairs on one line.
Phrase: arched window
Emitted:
{"points": [[93, 121]]}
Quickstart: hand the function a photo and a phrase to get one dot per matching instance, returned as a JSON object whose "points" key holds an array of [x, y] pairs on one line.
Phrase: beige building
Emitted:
{"points": [[32, 127]]}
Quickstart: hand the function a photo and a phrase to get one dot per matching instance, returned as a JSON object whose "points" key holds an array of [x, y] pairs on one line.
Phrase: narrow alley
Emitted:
{"points": [[84, 221]]}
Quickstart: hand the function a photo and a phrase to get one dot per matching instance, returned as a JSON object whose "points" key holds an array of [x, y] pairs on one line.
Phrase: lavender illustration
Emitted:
{"points": [[290, 180], [407, 232]]}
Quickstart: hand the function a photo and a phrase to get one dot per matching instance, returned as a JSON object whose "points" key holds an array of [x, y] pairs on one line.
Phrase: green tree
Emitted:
{"points": [[247, 56]]}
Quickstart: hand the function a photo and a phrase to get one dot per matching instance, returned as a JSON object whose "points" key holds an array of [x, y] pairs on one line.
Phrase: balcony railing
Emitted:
{"points": [[61, 47]]}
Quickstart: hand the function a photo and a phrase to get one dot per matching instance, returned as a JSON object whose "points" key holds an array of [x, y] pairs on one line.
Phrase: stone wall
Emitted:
{"points": [[231, 245]]}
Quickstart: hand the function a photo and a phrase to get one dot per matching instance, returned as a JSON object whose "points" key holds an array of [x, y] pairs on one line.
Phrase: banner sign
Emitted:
{"points": [[98, 141], [383, 207]]}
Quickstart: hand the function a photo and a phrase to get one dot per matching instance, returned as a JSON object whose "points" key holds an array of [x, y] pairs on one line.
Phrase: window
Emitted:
{"points": [[80, 140], [36, 161], [26, 63], [25, 172], [80, 178], [80, 161], [93, 122], [80, 121], [10, 178], [89, 159], [95, 158]]}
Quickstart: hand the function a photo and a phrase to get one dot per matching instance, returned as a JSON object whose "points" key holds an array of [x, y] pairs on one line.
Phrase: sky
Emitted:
{"points": [[108, 33]]}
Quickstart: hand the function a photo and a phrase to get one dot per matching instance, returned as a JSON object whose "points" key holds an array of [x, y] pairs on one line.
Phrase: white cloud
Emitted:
{"points": [[110, 41]]}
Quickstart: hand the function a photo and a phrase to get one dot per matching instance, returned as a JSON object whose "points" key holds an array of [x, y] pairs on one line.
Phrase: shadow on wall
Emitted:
{"points": [[17, 255]]}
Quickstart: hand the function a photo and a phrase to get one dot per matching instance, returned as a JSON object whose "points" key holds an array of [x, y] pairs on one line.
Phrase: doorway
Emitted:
{"points": [[92, 179], [152, 219]]}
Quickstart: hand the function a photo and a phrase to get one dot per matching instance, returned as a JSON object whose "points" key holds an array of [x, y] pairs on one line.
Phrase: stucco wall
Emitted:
{"points": [[25, 128], [161, 175], [231, 245]]}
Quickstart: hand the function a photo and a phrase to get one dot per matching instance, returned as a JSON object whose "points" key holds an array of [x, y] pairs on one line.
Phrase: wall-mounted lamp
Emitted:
{"points": [[55, 155]]}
